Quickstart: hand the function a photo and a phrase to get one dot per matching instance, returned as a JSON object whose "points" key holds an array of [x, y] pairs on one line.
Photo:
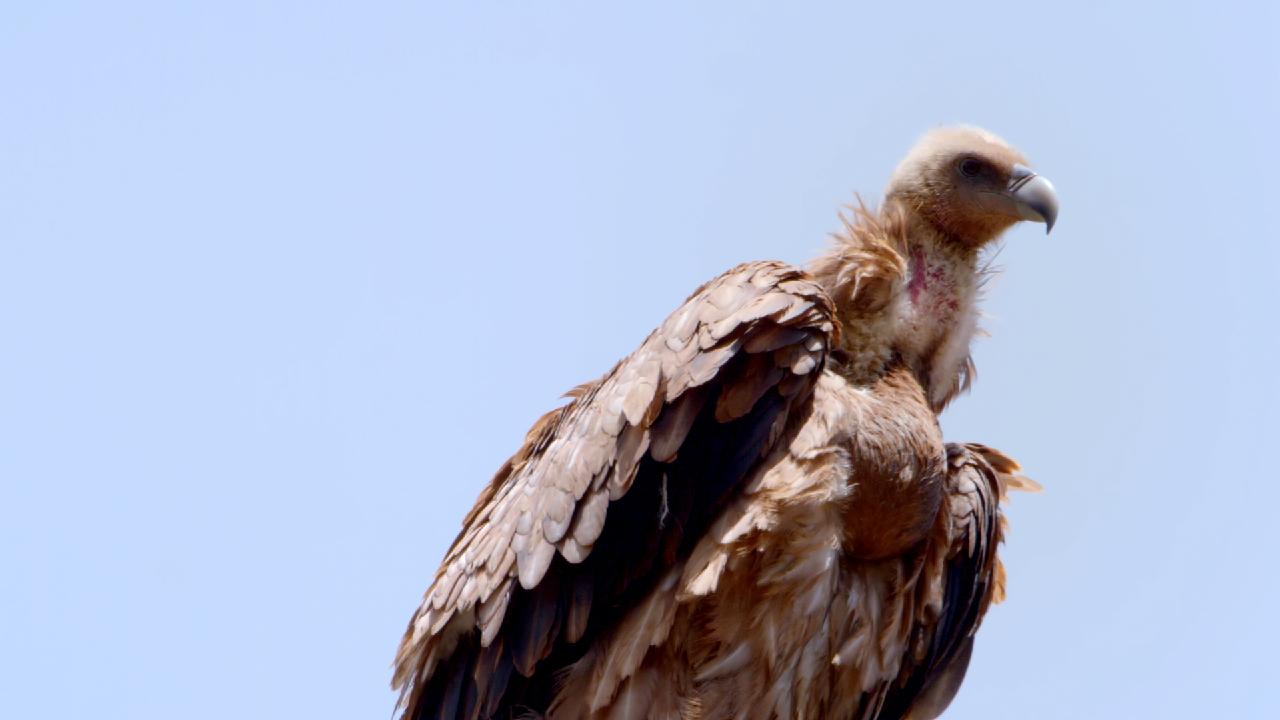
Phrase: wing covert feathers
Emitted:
{"points": [[730, 366]]}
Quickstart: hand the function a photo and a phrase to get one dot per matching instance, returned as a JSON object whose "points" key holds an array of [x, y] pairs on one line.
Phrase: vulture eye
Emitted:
{"points": [[970, 167]]}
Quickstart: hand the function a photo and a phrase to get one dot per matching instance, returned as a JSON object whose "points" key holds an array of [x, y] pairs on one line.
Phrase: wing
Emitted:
{"points": [[610, 490], [970, 577]]}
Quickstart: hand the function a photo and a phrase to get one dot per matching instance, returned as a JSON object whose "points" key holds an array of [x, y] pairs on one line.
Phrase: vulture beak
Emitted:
{"points": [[1032, 196]]}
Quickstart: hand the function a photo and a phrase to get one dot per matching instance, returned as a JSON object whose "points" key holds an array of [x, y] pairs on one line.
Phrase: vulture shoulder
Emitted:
{"points": [[610, 490]]}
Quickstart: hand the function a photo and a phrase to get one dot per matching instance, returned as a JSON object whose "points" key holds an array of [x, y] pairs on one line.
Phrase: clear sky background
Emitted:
{"points": [[282, 283]]}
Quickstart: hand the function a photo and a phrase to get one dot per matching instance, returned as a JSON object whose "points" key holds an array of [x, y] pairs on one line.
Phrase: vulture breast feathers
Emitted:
{"points": [[754, 515]]}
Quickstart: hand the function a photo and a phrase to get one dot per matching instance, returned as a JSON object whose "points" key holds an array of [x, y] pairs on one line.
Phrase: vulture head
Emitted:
{"points": [[971, 186]]}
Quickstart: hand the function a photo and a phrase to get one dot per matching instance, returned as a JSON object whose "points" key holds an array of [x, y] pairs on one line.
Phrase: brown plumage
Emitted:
{"points": [[754, 515]]}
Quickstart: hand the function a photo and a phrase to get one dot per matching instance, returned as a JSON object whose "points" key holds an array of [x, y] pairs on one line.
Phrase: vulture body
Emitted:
{"points": [[754, 515]]}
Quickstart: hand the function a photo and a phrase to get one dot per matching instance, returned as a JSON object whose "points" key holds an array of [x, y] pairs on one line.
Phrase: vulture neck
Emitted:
{"points": [[905, 295], [937, 311]]}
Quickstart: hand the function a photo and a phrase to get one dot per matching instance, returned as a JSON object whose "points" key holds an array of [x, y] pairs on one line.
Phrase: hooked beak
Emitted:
{"points": [[1033, 197]]}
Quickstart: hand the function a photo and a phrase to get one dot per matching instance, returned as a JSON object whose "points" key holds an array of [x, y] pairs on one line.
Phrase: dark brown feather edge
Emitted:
{"points": [[974, 578]]}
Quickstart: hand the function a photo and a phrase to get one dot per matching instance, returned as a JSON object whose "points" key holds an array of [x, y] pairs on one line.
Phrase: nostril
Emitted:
{"points": [[1020, 176], [1021, 172]]}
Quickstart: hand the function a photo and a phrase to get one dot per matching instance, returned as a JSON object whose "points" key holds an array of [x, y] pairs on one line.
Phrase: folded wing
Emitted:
{"points": [[610, 490], [964, 568]]}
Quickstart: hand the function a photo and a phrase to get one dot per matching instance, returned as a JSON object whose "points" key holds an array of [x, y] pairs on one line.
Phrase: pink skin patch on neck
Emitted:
{"points": [[919, 275], [923, 274]]}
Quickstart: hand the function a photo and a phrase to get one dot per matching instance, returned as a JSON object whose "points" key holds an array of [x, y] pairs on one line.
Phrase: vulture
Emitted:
{"points": [[753, 515]]}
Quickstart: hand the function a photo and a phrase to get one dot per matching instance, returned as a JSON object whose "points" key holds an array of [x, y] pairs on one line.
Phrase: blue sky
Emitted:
{"points": [[282, 284]]}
